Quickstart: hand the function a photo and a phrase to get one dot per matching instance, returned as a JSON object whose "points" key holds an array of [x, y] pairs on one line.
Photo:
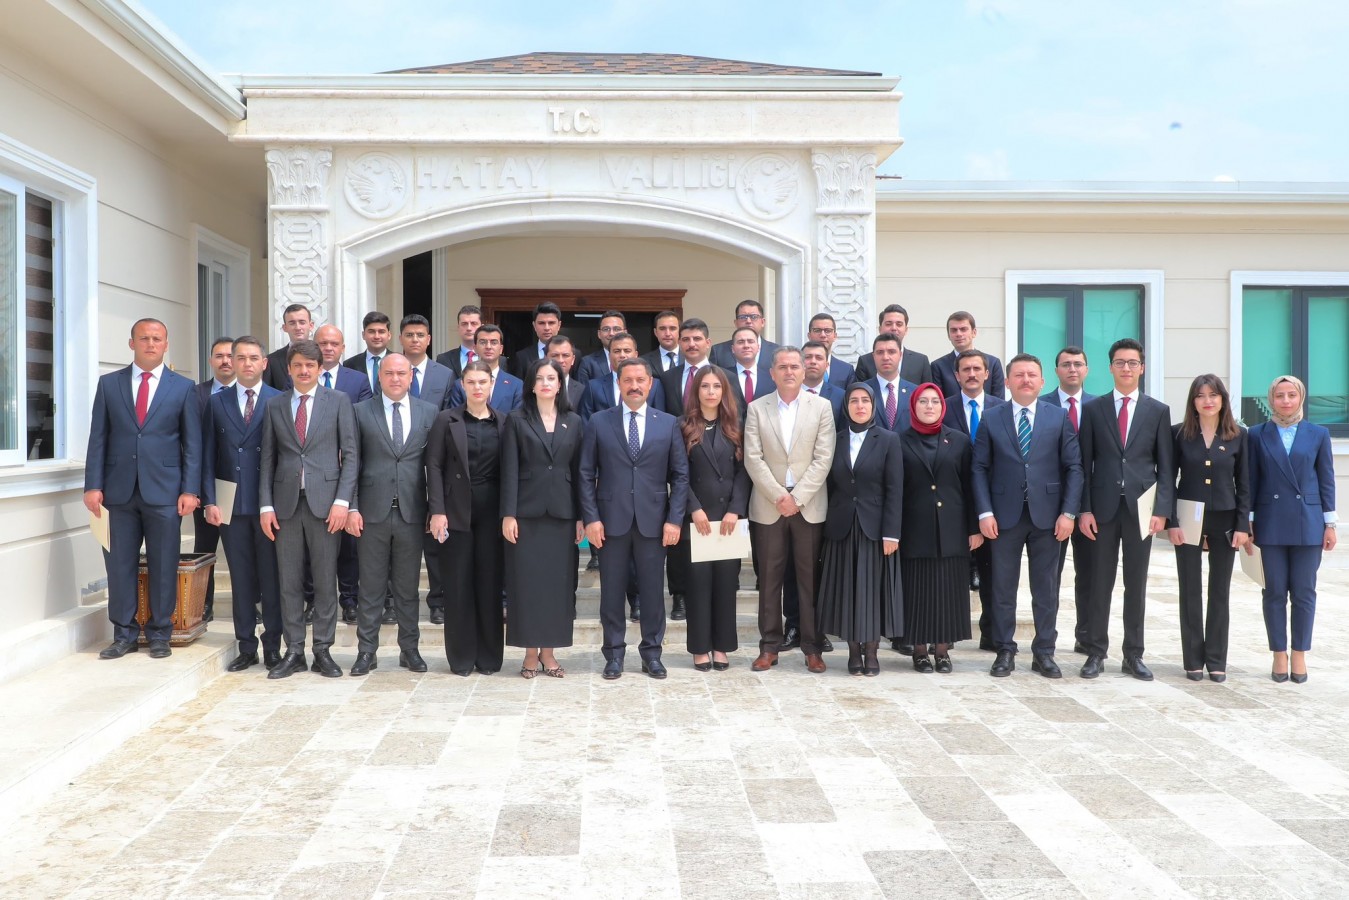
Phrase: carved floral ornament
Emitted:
{"points": [[768, 186], [299, 176], [847, 179]]}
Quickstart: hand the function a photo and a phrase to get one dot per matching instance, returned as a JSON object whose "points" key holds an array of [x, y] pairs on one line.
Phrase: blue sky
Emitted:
{"points": [[1143, 90]]}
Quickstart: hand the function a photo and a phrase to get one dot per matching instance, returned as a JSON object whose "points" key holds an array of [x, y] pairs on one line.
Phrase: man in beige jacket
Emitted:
{"points": [[789, 447]]}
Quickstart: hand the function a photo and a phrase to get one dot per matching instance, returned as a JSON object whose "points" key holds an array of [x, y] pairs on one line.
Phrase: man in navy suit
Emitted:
{"points": [[596, 364], [508, 391], [604, 393], [961, 331], [666, 355], [467, 322], [634, 487], [824, 330], [547, 323], [298, 326], [816, 362], [1071, 368], [233, 452], [965, 412], [144, 465], [205, 536], [748, 314], [376, 334], [750, 368], [562, 351], [892, 391], [913, 366], [1027, 475]]}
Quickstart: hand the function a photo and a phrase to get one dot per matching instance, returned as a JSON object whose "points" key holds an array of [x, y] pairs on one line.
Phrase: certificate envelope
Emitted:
{"points": [[717, 546], [224, 499], [1252, 566], [1145, 504], [1190, 515], [100, 527]]}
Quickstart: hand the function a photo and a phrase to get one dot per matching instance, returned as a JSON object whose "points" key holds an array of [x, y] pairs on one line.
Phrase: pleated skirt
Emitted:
{"points": [[861, 597], [937, 600]]}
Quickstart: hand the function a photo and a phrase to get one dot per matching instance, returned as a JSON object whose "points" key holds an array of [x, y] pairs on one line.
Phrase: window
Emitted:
{"points": [[1299, 330]]}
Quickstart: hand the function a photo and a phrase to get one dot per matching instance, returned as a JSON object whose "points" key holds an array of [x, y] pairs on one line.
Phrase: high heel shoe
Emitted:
{"points": [[1196, 675], [854, 658], [705, 666], [721, 666], [1298, 677], [1280, 677]]}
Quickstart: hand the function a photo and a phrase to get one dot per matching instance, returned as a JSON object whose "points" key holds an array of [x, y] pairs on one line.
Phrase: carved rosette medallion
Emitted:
{"points": [[768, 186], [845, 242], [376, 185], [298, 215]]}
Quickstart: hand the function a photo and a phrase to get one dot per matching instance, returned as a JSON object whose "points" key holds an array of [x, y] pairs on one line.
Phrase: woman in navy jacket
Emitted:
{"points": [[1292, 518]]}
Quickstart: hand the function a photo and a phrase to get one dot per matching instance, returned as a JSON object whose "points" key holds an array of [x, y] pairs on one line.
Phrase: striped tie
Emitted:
{"points": [[1023, 434]]}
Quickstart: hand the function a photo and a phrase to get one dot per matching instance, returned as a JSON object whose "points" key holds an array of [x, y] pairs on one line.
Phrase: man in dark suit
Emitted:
{"points": [[694, 346], [1126, 449], [205, 536], [468, 322], [604, 393], [634, 487], [562, 351], [388, 513], [376, 334], [547, 323], [891, 390], [507, 390], [816, 362], [1027, 475], [666, 355], [961, 331], [596, 364], [298, 326], [824, 330], [233, 452], [748, 314], [914, 367], [1071, 368], [143, 464], [965, 412], [307, 477], [750, 368]]}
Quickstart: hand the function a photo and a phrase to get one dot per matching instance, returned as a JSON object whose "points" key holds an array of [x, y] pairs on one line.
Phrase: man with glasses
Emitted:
{"points": [[596, 365], [748, 314], [913, 366], [824, 330]]}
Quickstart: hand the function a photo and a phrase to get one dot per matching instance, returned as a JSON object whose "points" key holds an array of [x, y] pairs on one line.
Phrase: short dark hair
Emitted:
{"points": [[745, 328], [622, 336], [297, 307], [489, 328], [222, 340], [468, 309], [971, 354], [546, 308], [246, 339], [886, 338], [893, 308], [814, 345], [695, 325], [1070, 350], [961, 316], [307, 349], [819, 316], [558, 340], [615, 314], [665, 314], [413, 319], [374, 317], [1127, 344], [754, 303], [633, 361], [1025, 358], [147, 321]]}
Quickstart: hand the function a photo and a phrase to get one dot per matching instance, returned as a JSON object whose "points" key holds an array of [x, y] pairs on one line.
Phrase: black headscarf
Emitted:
{"points": [[854, 427]]}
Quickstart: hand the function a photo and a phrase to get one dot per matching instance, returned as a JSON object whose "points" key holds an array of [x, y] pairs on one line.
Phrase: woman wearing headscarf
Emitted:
{"points": [[860, 596], [1292, 520], [1213, 465], [941, 527]]}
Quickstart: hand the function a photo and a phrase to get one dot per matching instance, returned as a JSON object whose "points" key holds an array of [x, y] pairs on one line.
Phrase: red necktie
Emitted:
{"points": [[470, 356], [891, 407], [1072, 412], [749, 387], [688, 383], [1123, 421], [143, 399], [301, 420]]}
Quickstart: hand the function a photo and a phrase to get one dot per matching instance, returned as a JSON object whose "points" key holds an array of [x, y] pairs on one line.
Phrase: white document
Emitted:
{"points": [[100, 527], [1145, 504], [224, 499], [1190, 515], [1253, 567], [718, 546]]}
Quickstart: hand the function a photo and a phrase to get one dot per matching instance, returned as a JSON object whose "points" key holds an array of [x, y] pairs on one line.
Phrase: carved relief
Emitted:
{"points": [[846, 179], [768, 186], [300, 263], [843, 288], [376, 185], [299, 176]]}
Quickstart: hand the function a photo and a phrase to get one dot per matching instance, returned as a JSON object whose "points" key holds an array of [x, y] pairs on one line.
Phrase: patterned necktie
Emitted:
{"points": [[974, 420], [1072, 412], [472, 356], [416, 384], [248, 406], [328, 380], [1123, 421], [1023, 434], [301, 420], [891, 407], [688, 383], [669, 360], [634, 441], [143, 399], [749, 387], [397, 427]]}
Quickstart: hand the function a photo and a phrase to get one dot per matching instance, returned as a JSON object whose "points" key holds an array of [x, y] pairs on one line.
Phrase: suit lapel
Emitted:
{"points": [[537, 426], [232, 414], [709, 455], [161, 396], [459, 435], [868, 443], [1276, 450]]}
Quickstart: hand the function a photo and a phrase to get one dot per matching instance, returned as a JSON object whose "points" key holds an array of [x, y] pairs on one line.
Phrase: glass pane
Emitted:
{"points": [[1044, 328], [1266, 346], [10, 336], [1327, 362], [1108, 314]]}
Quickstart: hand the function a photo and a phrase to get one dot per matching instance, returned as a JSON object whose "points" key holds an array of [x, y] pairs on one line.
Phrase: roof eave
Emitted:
{"points": [[562, 83]]}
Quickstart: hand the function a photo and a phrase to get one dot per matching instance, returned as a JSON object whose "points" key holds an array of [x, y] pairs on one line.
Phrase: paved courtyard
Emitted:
{"points": [[727, 784]]}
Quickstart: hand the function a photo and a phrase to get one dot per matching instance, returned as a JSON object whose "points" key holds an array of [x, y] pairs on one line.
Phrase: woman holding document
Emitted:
{"points": [[718, 500], [1213, 502]]}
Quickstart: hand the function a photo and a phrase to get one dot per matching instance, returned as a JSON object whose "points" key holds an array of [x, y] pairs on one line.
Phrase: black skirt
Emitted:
{"points": [[860, 596], [937, 591], [539, 574]]}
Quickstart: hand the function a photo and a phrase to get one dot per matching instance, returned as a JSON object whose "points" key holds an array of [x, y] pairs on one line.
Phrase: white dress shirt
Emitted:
{"points": [[1133, 405], [979, 403], [242, 397], [404, 414], [787, 415], [156, 375], [641, 423]]}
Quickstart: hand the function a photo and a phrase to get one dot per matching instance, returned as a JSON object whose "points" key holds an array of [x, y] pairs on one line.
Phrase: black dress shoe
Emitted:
{"points": [[943, 665], [324, 665], [1079, 647], [923, 664], [790, 641], [1196, 675], [349, 615], [1093, 666], [677, 611], [270, 658], [703, 666], [636, 614], [1133, 665], [1297, 677], [242, 661], [160, 650], [118, 649], [309, 613], [721, 666], [437, 615], [825, 645], [208, 614], [389, 617], [593, 565], [1217, 677], [288, 665], [1003, 664], [364, 663], [613, 669], [1045, 665], [654, 667], [412, 661]]}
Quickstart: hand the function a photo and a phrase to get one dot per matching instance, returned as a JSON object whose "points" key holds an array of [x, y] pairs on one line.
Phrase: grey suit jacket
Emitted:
{"points": [[435, 389], [330, 457], [387, 472]]}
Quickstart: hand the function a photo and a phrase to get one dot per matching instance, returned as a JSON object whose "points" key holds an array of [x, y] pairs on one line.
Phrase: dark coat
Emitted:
{"points": [[939, 513], [718, 483], [870, 492], [1218, 476], [1111, 469], [538, 479], [448, 491]]}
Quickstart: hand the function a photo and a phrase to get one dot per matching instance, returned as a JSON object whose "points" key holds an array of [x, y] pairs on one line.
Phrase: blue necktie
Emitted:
{"points": [[634, 442], [328, 380], [1023, 434], [974, 421], [416, 384]]}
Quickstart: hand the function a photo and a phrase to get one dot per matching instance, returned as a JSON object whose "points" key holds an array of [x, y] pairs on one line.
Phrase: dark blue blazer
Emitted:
{"points": [[834, 393], [906, 389], [620, 493], [1052, 397], [1291, 491], [1050, 478], [593, 365], [161, 459], [232, 451], [600, 395], [955, 413], [841, 374], [944, 375], [350, 382], [508, 393]]}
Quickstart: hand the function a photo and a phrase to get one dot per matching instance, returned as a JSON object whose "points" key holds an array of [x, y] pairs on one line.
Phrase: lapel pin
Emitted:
{"points": [[1221, 447]]}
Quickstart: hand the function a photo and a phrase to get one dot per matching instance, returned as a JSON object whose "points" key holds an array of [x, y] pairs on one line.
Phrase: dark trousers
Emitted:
{"points": [[348, 571], [390, 554], [255, 581], [303, 532], [710, 603], [1290, 573], [160, 528], [435, 590], [1042, 554], [677, 563], [790, 537], [1120, 532], [619, 555], [1203, 638], [1081, 580], [205, 539], [982, 558], [471, 569]]}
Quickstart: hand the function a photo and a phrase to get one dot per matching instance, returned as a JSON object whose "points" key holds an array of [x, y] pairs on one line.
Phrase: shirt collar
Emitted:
{"points": [[388, 402], [1017, 407], [980, 400], [312, 392], [1133, 398], [641, 410], [1064, 397], [783, 404], [217, 385], [157, 372]]}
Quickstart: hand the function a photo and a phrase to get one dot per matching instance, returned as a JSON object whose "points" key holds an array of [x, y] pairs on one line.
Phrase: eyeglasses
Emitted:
{"points": [[749, 317], [611, 329], [1126, 364], [1072, 364], [822, 331]]}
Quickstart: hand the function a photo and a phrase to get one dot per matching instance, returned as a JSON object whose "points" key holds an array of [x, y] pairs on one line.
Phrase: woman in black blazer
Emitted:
{"points": [[463, 488], [718, 489], [541, 511], [1212, 462], [941, 527], [860, 597]]}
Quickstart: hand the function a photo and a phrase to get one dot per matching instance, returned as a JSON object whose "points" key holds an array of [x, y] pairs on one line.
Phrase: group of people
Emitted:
{"points": [[878, 495]]}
